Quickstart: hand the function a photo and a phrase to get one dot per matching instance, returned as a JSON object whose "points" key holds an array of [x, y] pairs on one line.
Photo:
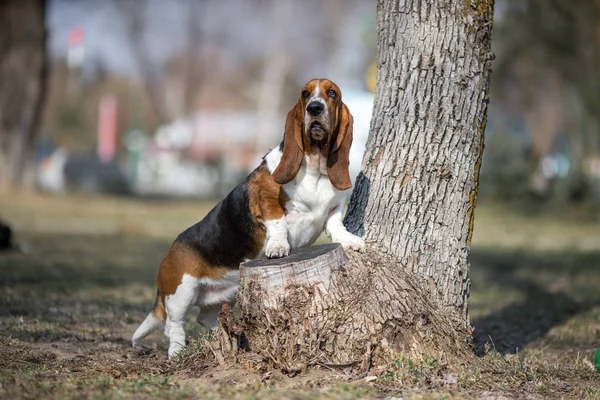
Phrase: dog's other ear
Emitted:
{"points": [[293, 147], [339, 156]]}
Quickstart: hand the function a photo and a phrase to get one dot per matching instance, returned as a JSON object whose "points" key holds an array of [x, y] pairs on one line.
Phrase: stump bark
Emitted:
{"points": [[321, 306], [281, 299]]}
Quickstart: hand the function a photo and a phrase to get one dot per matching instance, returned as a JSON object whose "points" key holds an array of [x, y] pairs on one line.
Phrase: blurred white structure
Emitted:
{"points": [[50, 174], [360, 104], [201, 155]]}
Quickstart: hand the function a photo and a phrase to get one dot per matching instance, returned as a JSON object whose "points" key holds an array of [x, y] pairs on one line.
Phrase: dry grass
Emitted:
{"points": [[70, 305]]}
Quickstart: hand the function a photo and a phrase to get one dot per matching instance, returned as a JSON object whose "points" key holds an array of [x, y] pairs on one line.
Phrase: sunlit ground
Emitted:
{"points": [[71, 303]]}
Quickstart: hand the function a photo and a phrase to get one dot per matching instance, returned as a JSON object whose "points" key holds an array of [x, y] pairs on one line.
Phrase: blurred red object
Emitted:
{"points": [[75, 36]]}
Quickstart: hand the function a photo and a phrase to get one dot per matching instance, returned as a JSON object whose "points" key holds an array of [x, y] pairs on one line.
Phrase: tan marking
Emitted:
{"points": [[159, 310], [266, 197], [181, 260], [338, 160], [293, 145], [307, 148]]}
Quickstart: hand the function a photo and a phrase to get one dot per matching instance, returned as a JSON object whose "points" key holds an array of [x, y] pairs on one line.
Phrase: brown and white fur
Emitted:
{"points": [[299, 190]]}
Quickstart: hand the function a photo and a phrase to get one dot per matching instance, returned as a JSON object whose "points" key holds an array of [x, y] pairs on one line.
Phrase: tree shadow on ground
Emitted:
{"points": [[552, 288], [67, 261], [65, 277]]}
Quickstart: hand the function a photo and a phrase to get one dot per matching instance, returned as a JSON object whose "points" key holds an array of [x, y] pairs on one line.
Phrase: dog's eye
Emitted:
{"points": [[331, 93], [305, 94]]}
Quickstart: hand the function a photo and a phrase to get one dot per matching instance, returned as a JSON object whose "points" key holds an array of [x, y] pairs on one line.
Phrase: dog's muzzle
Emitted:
{"points": [[317, 133]]}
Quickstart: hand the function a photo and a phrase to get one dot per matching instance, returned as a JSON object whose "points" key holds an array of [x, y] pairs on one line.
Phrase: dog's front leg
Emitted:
{"points": [[336, 230], [277, 238]]}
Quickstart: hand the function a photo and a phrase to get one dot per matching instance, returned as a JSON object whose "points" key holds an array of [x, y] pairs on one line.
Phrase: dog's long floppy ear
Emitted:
{"points": [[293, 147], [339, 155]]}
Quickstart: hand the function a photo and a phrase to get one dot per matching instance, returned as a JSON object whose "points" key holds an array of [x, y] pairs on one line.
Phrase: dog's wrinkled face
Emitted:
{"points": [[318, 123], [321, 100]]}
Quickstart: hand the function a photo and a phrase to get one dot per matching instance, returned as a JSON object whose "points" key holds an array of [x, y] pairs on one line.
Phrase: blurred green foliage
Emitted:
{"points": [[506, 168]]}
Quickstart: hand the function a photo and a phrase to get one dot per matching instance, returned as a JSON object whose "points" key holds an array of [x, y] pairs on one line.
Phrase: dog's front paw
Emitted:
{"points": [[351, 242], [277, 248]]}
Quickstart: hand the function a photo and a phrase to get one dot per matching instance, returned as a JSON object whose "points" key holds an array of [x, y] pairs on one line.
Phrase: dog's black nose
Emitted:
{"points": [[315, 108]]}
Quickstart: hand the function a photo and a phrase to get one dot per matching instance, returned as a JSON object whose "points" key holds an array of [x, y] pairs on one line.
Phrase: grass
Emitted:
{"points": [[70, 304]]}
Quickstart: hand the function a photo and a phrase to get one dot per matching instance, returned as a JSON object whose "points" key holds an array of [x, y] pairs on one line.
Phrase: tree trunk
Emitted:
{"points": [[414, 204], [416, 198], [23, 70], [132, 13]]}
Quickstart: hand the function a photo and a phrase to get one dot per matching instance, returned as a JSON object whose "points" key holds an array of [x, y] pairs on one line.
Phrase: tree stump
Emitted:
{"points": [[306, 267], [281, 302], [322, 306]]}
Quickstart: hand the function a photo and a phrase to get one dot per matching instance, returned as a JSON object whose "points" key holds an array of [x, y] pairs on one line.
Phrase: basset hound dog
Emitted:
{"points": [[299, 190]]}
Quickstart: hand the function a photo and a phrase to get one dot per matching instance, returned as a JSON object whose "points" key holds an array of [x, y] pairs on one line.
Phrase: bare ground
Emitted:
{"points": [[72, 301]]}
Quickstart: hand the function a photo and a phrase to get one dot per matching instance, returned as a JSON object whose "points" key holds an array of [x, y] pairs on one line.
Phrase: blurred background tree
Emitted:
{"points": [[547, 77], [23, 70]]}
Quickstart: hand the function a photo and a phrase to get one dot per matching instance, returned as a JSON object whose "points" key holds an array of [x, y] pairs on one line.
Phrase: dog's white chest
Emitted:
{"points": [[312, 197]]}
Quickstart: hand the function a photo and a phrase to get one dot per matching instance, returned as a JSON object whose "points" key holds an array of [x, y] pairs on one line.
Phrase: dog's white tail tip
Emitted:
{"points": [[150, 324]]}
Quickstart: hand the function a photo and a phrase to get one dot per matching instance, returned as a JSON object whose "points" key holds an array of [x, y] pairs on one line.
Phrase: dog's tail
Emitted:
{"points": [[153, 321]]}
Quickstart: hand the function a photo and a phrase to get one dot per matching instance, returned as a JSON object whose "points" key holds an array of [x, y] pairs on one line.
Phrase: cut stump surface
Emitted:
{"points": [[308, 266]]}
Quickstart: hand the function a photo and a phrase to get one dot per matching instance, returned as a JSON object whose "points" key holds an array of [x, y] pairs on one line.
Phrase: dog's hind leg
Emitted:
{"points": [[177, 306]]}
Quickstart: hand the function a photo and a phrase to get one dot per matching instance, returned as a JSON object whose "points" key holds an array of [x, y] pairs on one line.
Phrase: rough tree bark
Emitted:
{"points": [[414, 204], [416, 198], [23, 71]]}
